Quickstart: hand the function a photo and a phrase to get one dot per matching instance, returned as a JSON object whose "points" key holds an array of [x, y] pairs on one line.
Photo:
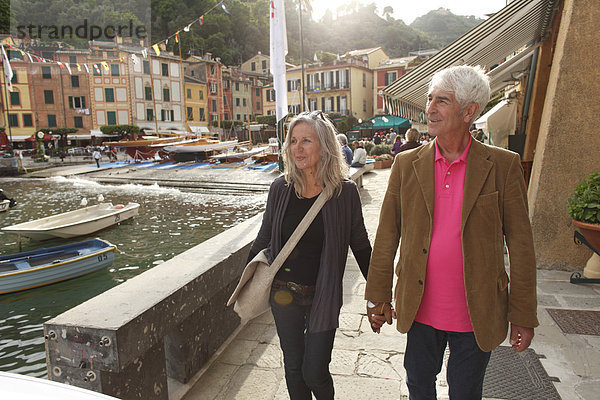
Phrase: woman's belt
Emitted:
{"points": [[294, 287]]}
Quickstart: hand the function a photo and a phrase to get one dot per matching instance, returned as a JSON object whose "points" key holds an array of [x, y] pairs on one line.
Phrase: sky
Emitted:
{"points": [[408, 10]]}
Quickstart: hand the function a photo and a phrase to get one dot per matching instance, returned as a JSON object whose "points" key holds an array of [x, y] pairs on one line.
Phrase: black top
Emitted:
{"points": [[302, 265]]}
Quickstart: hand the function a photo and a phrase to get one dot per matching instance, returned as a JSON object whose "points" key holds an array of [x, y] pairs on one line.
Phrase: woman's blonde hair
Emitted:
{"points": [[413, 135], [332, 170]]}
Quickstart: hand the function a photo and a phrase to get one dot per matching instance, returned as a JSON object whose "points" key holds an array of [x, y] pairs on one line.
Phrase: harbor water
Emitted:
{"points": [[170, 221]]}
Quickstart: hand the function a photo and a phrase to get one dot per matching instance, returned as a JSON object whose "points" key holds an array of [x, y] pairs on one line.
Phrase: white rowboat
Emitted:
{"points": [[83, 221]]}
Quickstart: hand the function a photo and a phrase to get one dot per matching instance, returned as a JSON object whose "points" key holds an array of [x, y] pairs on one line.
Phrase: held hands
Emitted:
{"points": [[378, 313], [520, 337]]}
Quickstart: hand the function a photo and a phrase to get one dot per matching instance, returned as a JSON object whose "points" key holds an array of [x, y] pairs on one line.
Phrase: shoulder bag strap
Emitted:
{"points": [[299, 231]]}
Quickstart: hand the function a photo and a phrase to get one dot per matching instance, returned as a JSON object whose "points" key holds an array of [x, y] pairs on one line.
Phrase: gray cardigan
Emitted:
{"points": [[344, 226]]}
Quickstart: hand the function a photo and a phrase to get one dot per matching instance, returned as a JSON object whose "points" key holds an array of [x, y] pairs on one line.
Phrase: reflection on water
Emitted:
{"points": [[170, 221]]}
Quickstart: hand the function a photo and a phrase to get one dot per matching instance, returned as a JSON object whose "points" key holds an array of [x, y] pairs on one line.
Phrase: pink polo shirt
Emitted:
{"points": [[444, 303]]}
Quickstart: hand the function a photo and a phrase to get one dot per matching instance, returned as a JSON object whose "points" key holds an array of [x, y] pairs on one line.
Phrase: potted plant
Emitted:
{"points": [[584, 209], [384, 161]]}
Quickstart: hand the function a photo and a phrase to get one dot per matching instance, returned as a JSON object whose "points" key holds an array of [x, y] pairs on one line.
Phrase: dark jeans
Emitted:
{"points": [[423, 361], [306, 356]]}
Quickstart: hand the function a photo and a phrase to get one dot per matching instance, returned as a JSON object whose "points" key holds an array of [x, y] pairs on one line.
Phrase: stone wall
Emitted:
{"points": [[568, 146], [163, 325]]}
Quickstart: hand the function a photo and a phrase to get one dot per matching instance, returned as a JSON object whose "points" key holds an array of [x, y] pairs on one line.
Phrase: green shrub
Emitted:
{"points": [[368, 147], [379, 149], [584, 203]]}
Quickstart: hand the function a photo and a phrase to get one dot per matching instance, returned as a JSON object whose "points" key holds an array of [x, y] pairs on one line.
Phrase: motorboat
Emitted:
{"points": [[22, 387], [4, 205], [238, 155], [148, 146], [49, 265], [199, 150], [83, 221]]}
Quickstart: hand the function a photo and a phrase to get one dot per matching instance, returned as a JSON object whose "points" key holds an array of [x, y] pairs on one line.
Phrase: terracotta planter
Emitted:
{"points": [[591, 233], [383, 164]]}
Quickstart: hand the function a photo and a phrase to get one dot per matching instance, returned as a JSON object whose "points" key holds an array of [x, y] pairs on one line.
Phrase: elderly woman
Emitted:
{"points": [[412, 141], [306, 295]]}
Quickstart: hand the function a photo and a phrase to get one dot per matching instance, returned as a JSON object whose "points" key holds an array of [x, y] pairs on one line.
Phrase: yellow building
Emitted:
{"points": [[18, 114], [343, 88], [196, 104], [268, 95]]}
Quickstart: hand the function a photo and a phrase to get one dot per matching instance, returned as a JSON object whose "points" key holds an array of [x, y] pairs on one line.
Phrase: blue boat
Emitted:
{"points": [[45, 266]]}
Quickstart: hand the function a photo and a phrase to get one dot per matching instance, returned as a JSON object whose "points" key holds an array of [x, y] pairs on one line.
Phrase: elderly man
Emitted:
{"points": [[454, 202]]}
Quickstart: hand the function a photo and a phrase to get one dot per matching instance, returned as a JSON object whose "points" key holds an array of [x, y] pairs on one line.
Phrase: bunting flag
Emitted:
{"points": [[307, 6], [60, 64], [97, 69], [177, 37], [135, 59], [279, 49], [86, 68], [187, 28], [145, 53], [8, 72], [105, 65], [224, 8], [201, 19], [78, 67], [68, 68], [156, 49]]}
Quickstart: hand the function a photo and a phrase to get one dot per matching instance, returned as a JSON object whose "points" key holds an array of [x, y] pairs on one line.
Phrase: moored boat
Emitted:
{"points": [[45, 266], [83, 221], [4, 204]]}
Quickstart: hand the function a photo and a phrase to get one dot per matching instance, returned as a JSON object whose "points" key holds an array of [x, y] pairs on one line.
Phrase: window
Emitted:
{"points": [[189, 93], [201, 94], [146, 67], [165, 69], [14, 78], [390, 77], [238, 117], [245, 118], [212, 69], [13, 120], [111, 117], [27, 120], [202, 116], [149, 114], [73, 59], [213, 87], [244, 102], [364, 80], [110, 54], [78, 122], [364, 105], [264, 64], [224, 100], [114, 70], [15, 98], [257, 92], [214, 106], [226, 117], [46, 73], [48, 97], [76, 101], [109, 96], [51, 120], [167, 115], [190, 114], [253, 66], [148, 93], [237, 102], [237, 86], [257, 105], [74, 80], [166, 94]]}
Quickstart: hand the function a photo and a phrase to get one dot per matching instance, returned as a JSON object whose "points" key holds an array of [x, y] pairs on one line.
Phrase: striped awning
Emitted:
{"points": [[516, 28]]}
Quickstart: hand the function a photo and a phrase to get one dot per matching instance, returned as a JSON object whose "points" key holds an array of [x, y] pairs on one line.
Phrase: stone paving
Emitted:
{"points": [[369, 366]]}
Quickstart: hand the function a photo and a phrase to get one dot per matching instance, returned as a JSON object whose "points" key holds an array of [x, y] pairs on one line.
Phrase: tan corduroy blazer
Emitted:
{"points": [[494, 209]]}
